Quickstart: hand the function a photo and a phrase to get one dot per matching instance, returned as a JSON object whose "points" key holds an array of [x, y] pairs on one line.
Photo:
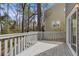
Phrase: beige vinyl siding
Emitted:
{"points": [[69, 7], [56, 12]]}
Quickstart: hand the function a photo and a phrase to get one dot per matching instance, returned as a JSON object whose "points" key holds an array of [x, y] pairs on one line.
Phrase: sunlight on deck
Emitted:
{"points": [[38, 48]]}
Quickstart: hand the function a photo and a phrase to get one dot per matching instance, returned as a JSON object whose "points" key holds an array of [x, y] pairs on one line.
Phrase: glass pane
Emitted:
{"points": [[69, 28], [73, 29]]}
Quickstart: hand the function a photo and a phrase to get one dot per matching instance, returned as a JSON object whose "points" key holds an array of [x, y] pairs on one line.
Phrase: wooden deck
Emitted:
{"points": [[47, 48]]}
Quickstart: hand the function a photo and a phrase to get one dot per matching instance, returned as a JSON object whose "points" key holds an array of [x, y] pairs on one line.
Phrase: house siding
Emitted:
{"points": [[55, 13], [69, 7]]}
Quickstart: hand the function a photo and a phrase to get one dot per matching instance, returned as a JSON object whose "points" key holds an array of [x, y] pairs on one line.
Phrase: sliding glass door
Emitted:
{"points": [[73, 31]]}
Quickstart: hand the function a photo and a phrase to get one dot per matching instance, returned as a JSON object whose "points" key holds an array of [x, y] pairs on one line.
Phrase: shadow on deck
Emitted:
{"points": [[47, 48]]}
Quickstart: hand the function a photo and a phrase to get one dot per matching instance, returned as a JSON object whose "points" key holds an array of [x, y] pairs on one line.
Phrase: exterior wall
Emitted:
{"points": [[54, 13], [68, 8]]}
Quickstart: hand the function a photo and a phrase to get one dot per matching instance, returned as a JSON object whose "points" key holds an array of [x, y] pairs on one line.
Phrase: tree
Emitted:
{"points": [[28, 17], [23, 8], [39, 16], [3, 21]]}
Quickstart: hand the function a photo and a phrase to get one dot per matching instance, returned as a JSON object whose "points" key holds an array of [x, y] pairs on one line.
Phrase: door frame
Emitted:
{"points": [[67, 30]]}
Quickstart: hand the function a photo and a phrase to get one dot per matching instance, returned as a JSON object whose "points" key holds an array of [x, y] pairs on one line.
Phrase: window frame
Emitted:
{"points": [[67, 26]]}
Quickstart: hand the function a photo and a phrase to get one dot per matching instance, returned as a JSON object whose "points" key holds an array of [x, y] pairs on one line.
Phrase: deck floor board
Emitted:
{"points": [[47, 48]]}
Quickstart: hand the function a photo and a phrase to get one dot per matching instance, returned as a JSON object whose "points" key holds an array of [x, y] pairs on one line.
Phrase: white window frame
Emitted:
{"points": [[67, 30]]}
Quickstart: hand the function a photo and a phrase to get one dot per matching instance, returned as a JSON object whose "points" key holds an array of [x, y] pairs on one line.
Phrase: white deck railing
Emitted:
{"points": [[55, 36], [12, 44]]}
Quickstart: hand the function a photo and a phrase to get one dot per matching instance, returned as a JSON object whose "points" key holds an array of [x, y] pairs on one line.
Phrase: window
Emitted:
{"points": [[56, 24], [69, 30], [73, 31]]}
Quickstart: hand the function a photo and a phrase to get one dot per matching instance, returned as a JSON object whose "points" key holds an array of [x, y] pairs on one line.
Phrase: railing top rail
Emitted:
{"points": [[54, 32], [6, 36]]}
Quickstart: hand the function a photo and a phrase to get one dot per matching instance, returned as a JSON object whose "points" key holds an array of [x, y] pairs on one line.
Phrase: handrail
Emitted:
{"points": [[5, 36]]}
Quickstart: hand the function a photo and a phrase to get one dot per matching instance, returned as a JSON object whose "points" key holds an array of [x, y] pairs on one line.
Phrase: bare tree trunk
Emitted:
{"points": [[28, 17], [7, 15], [0, 19], [19, 16], [23, 7], [39, 16], [39, 20], [17, 21]]}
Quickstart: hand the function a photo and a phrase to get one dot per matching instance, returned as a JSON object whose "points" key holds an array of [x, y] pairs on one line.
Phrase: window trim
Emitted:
{"points": [[69, 19]]}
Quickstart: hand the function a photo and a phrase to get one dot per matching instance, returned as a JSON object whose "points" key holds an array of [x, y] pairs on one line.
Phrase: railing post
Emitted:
{"points": [[18, 44], [11, 47], [21, 43], [6, 47], [15, 44], [27, 42], [24, 42], [0, 48]]}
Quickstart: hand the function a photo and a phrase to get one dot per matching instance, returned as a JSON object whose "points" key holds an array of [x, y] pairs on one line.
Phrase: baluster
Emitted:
{"points": [[30, 40], [21, 43], [27, 41], [15, 44], [52, 36], [0, 48], [18, 44], [6, 47], [33, 39], [11, 47], [24, 42]]}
